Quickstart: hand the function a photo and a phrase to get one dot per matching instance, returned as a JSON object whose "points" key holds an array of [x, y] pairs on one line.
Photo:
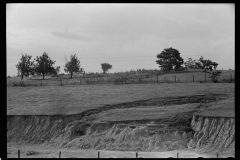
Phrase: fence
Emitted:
{"points": [[98, 155], [125, 79]]}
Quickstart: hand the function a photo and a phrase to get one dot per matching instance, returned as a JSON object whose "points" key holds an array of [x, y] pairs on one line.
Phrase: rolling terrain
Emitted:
{"points": [[186, 117]]}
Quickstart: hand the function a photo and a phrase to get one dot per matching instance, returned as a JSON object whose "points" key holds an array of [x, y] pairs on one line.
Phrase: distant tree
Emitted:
{"points": [[57, 70], [190, 63], [44, 65], [25, 66], [214, 64], [169, 59], [215, 75], [207, 64], [72, 66], [198, 64], [106, 67]]}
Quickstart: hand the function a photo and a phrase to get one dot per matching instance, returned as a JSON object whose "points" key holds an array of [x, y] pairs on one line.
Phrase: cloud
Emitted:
{"points": [[67, 35]]}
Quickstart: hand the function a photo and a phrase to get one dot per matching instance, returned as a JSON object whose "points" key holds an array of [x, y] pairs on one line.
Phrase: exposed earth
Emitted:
{"points": [[193, 125]]}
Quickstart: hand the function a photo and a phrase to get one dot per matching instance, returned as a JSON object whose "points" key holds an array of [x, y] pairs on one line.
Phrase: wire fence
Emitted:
{"points": [[124, 79], [99, 156]]}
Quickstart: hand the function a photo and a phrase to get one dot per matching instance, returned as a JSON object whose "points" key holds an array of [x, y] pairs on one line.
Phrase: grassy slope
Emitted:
{"points": [[49, 100], [180, 77], [145, 113], [222, 108], [188, 77]]}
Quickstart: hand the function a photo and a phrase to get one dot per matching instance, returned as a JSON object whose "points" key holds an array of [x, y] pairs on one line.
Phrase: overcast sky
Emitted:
{"points": [[128, 36]]}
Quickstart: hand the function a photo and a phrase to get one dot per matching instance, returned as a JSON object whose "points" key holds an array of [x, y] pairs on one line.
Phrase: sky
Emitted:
{"points": [[127, 36]]}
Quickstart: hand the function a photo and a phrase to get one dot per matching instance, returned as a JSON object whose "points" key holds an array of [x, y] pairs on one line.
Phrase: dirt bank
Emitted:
{"points": [[177, 130], [213, 134]]}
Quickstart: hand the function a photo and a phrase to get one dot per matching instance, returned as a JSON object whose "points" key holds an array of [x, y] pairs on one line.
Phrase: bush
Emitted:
{"points": [[22, 84], [18, 84], [54, 75], [117, 81], [88, 81], [31, 153], [165, 80]]}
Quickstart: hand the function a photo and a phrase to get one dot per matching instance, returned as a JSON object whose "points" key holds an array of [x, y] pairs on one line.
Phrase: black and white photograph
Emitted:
{"points": [[120, 80]]}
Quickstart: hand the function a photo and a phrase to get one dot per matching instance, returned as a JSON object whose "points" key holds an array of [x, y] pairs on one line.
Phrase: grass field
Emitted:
{"points": [[185, 77], [51, 100], [222, 108]]}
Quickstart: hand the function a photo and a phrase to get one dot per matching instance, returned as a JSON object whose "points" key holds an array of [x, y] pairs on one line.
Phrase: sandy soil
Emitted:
{"points": [[41, 151]]}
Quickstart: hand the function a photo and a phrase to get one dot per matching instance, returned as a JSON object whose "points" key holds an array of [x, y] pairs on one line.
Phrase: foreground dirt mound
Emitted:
{"points": [[98, 135], [178, 130], [131, 137]]}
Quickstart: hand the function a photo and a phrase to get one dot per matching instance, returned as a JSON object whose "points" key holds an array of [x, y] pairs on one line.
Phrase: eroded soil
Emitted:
{"points": [[158, 124]]}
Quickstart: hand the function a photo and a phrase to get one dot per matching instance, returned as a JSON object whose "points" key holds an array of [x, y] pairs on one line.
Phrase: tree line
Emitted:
{"points": [[43, 65], [168, 60]]}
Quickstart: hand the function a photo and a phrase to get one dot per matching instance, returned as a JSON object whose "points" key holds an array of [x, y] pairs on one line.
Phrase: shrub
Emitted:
{"points": [[32, 153], [16, 84], [165, 80], [117, 80], [88, 81]]}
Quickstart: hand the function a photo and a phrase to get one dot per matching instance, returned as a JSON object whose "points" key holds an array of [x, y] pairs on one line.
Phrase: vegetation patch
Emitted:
{"points": [[29, 153]]}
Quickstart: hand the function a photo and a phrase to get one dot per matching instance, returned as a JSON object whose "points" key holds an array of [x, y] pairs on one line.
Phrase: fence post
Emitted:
{"points": [[18, 153], [98, 154], [122, 80], [60, 154], [193, 78], [175, 78], [177, 155], [205, 76], [136, 154], [157, 78], [217, 155]]}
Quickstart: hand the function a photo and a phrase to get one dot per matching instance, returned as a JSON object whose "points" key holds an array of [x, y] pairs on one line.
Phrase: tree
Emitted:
{"points": [[207, 64], [198, 64], [106, 67], [57, 70], [215, 75], [25, 66], [190, 63], [214, 64], [44, 65], [72, 66], [169, 59]]}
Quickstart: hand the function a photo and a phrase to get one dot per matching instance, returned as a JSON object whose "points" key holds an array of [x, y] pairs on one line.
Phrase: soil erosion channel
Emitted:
{"points": [[159, 124]]}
